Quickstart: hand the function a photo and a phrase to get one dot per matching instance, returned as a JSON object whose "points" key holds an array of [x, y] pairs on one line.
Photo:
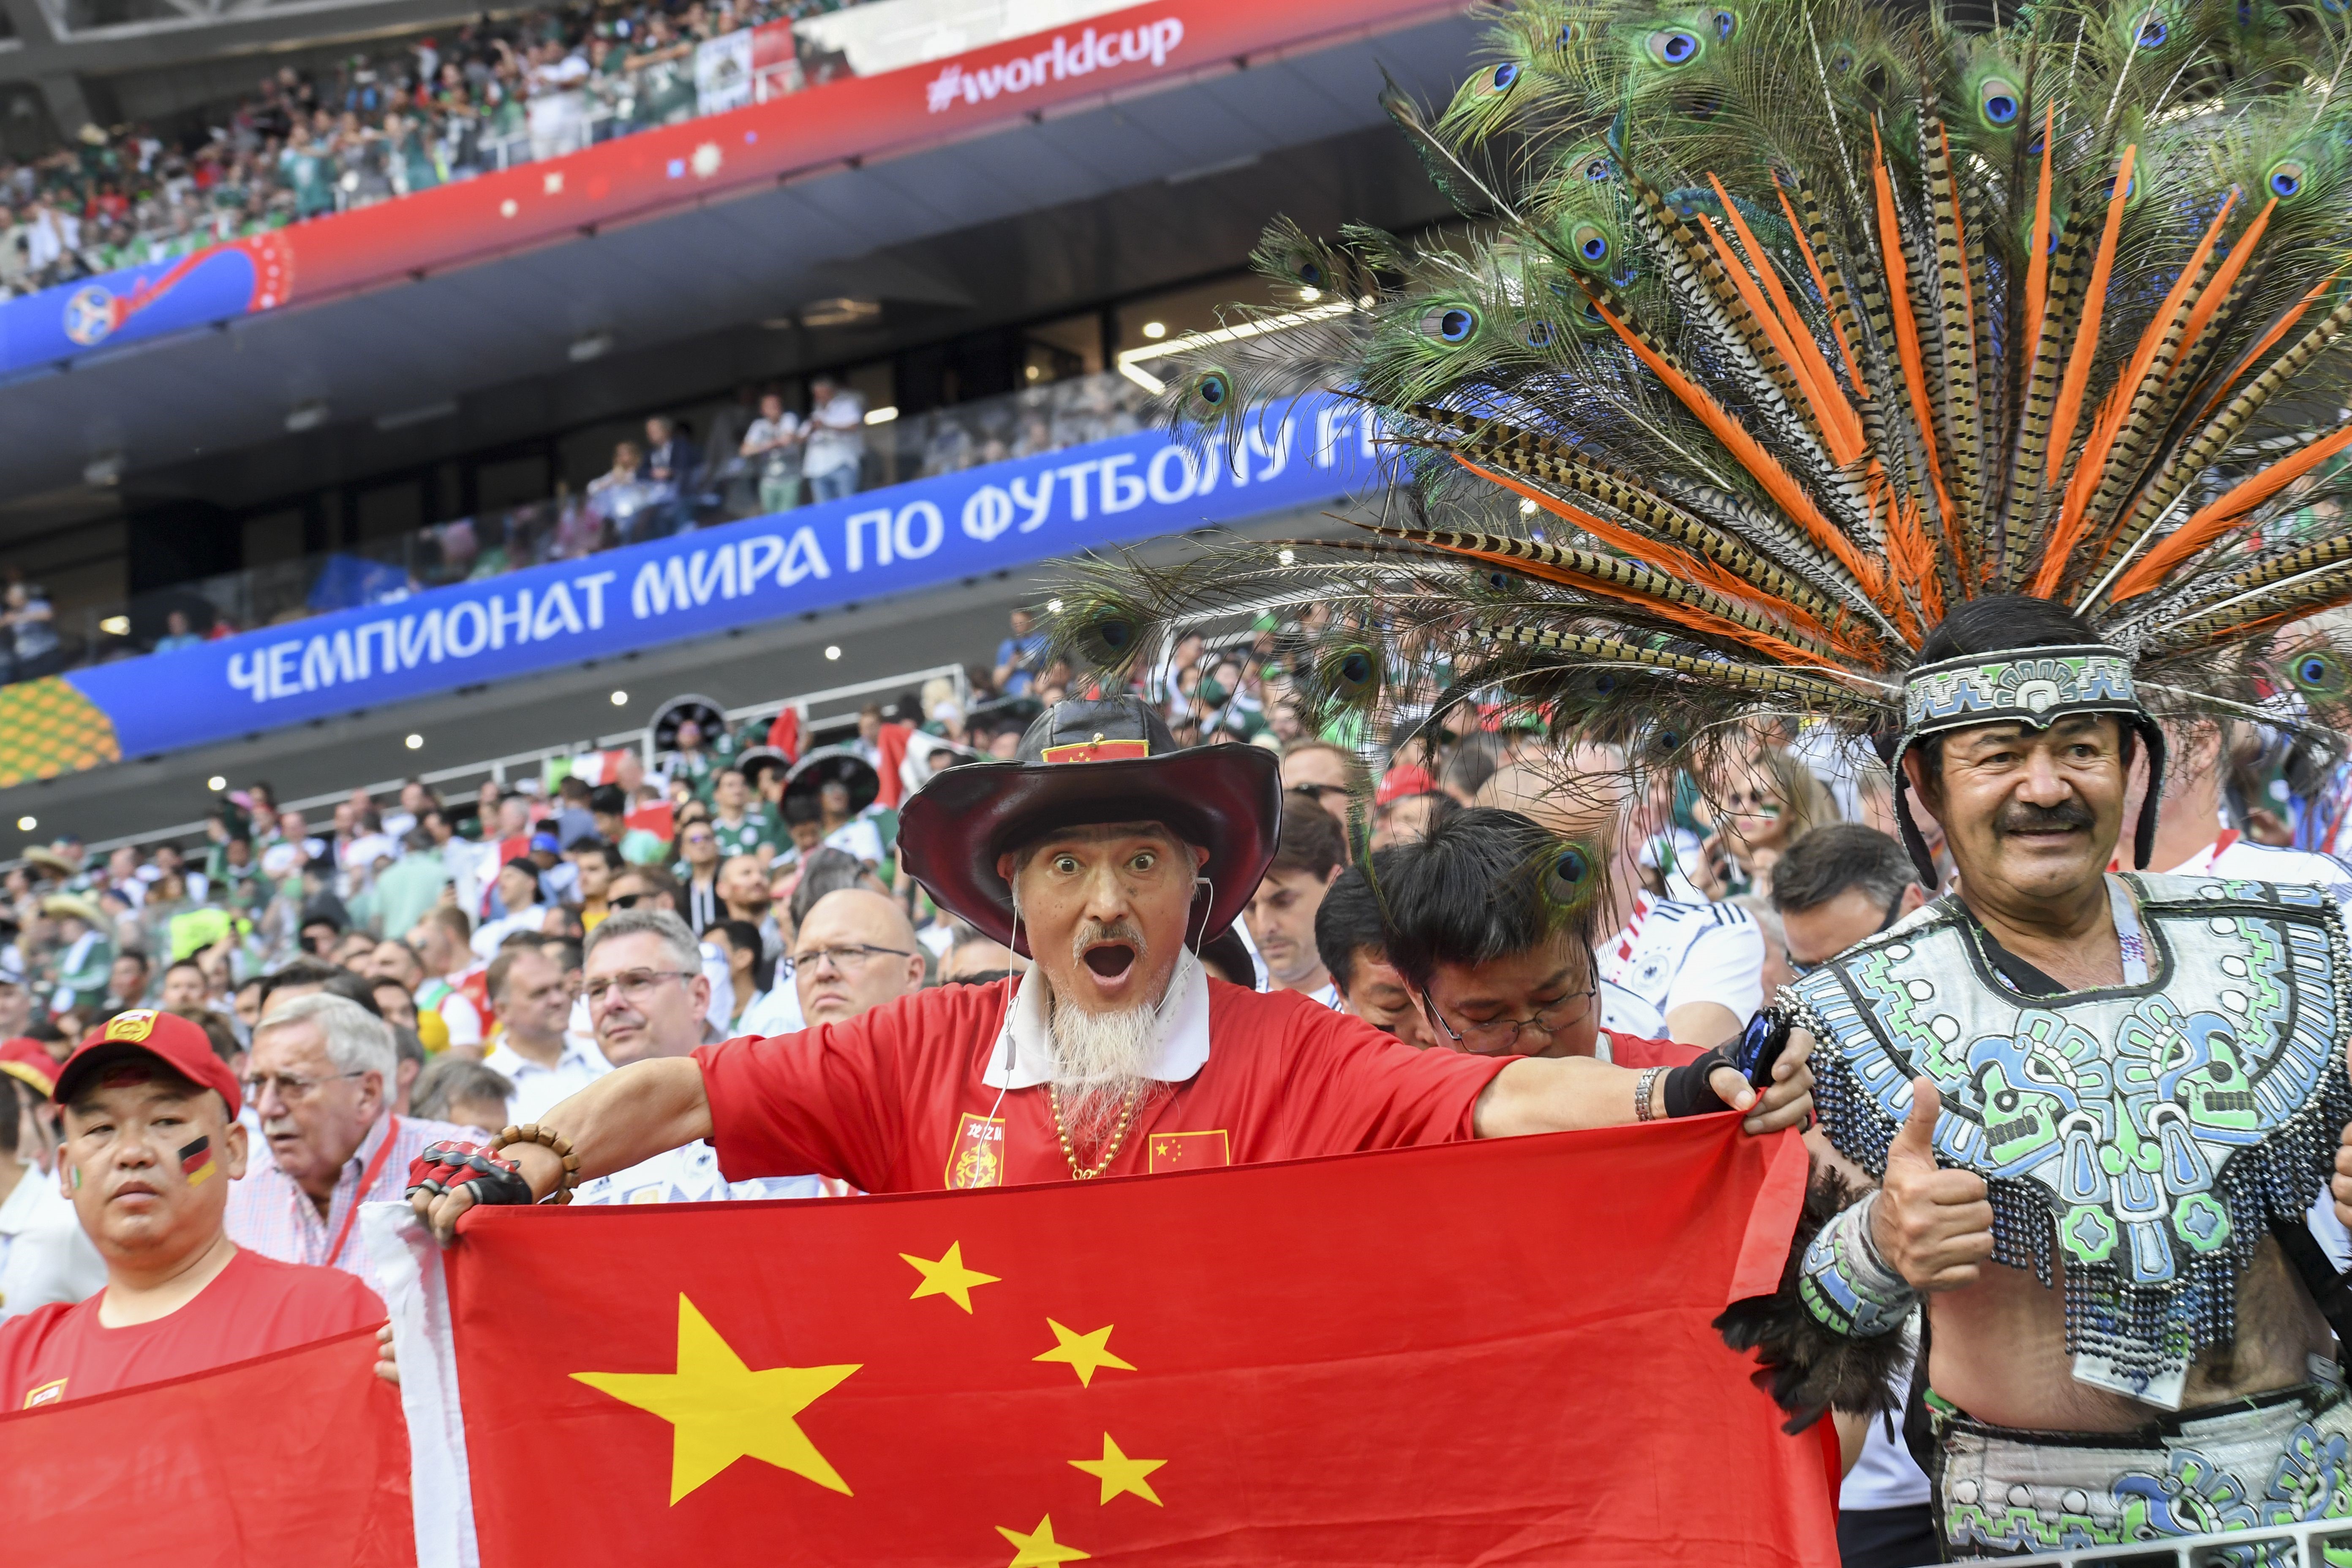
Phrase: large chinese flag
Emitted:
{"points": [[1481, 1352], [296, 1457]]}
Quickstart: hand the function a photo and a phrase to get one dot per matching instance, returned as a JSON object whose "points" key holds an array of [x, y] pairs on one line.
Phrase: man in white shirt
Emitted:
{"points": [[773, 447], [837, 440], [647, 998], [1687, 971], [1307, 858], [534, 1052], [45, 1255], [2190, 837]]}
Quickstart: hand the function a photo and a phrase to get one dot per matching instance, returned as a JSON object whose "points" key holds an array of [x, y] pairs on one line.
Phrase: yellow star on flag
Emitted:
{"points": [[1038, 1548], [722, 1411], [947, 1275], [1085, 1352], [1120, 1474]]}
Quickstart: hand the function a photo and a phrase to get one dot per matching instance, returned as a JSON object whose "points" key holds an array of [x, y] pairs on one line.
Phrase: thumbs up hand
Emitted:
{"points": [[1932, 1226]]}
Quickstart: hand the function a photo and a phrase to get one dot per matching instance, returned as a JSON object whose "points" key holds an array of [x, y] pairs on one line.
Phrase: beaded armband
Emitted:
{"points": [[555, 1143], [1846, 1284]]}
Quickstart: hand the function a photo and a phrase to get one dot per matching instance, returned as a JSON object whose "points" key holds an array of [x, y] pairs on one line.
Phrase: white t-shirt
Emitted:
{"points": [[857, 837], [690, 1175], [2243, 860], [1671, 954], [1886, 1475], [44, 1254], [537, 1087], [777, 1012], [836, 435]]}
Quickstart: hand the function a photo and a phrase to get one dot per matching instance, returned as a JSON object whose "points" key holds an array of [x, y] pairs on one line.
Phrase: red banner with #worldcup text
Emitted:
{"points": [[1473, 1352]]}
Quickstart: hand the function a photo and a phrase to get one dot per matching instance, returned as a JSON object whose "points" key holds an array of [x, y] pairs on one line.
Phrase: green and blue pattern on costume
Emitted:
{"points": [[2148, 1133], [2035, 686]]}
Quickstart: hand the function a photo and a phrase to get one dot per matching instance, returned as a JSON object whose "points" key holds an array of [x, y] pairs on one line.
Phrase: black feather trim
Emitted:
{"points": [[1807, 1369]]}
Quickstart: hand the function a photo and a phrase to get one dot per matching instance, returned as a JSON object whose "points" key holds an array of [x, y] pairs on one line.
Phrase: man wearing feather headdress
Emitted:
{"points": [[1965, 390]]}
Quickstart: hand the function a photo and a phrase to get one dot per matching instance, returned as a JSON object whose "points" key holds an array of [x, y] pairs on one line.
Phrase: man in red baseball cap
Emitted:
{"points": [[151, 1142]]}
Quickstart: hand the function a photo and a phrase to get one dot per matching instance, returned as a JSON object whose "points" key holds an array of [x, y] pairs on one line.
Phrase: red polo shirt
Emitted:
{"points": [[252, 1306], [893, 1101]]}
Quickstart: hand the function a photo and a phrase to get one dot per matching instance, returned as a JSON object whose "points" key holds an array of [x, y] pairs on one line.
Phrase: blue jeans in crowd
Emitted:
{"points": [[842, 482]]}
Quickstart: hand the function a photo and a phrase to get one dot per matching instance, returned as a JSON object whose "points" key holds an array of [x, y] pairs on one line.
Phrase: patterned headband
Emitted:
{"points": [[2031, 685]]}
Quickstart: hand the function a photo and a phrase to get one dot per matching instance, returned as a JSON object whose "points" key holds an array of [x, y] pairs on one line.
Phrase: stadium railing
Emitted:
{"points": [[1050, 417], [823, 713]]}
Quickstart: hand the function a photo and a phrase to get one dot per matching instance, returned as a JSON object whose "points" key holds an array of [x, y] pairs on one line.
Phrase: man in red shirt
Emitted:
{"points": [[151, 1144], [1105, 852]]}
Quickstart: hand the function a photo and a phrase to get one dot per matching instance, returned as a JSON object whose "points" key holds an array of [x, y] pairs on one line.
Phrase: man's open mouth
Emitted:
{"points": [[1111, 958]]}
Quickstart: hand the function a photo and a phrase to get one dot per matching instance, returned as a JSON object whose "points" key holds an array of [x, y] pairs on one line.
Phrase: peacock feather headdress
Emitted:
{"points": [[1773, 329]]}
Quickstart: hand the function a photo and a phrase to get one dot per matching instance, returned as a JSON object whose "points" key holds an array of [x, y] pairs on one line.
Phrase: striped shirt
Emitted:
{"points": [[268, 1213]]}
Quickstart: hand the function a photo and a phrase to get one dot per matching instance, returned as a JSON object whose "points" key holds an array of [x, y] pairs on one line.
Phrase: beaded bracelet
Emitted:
{"points": [[555, 1143], [1846, 1284]]}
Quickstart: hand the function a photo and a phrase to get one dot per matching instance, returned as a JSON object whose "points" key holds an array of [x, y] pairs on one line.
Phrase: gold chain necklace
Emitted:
{"points": [[1119, 1136]]}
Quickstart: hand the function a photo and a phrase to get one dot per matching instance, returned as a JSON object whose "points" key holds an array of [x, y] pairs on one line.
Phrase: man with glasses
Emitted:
{"points": [[1836, 886], [648, 1000], [1104, 851], [319, 1082], [1499, 959], [652, 889], [1839, 885], [1668, 969], [855, 952]]}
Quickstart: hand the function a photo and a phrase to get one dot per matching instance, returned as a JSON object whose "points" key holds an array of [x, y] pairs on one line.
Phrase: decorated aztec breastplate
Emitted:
{"points": [[2152, 1131]]}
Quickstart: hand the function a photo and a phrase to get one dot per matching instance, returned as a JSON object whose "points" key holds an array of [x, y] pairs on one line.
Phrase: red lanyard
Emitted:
{"points": [[367, 1180]]}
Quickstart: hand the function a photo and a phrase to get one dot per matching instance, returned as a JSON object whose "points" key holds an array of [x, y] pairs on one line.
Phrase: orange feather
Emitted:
{"points": [[2078, 367], [2225, 277], [1841, 426], [2037, 266], [1778, 482], [1821, 283], [2071, 522], [1906, 323], [2216, 517]]}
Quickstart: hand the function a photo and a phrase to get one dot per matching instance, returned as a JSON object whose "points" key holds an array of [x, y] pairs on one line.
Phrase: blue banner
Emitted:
{"points": [[896, 540]]}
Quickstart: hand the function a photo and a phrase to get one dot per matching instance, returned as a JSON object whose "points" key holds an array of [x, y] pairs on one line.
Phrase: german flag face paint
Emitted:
{"points": [[197, 1162]]}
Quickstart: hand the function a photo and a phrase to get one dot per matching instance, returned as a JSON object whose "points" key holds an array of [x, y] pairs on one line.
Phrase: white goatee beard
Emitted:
{"points": [[1099, 1062]]}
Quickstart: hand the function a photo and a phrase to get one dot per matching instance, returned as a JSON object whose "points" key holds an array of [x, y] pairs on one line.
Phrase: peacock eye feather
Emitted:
{"points": [[1673, 46], [1450, 323], [1110, 638], [1588, 243], [1841, 61], [1997, 101], [2319, 673], [2287, 177], [1571, 873], [1598, 169], [1726, 25], [1209, 395], [1350, 675], [2152, 31], [1539, 334]]}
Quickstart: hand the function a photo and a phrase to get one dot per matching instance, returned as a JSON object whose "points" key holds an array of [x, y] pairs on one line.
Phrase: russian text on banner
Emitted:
{"points": [[1436, 1355], [295, 1458]]}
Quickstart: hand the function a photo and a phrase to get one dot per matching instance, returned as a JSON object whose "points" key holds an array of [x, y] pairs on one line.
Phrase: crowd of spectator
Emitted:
{"points": [[374, 126], [399, 972], [751, 456]]}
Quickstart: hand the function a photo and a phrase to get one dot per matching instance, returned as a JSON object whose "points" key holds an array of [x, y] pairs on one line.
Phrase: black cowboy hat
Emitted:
{"points": [[836, 764], [760, 760], [1090, 762], [707, 716]]}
